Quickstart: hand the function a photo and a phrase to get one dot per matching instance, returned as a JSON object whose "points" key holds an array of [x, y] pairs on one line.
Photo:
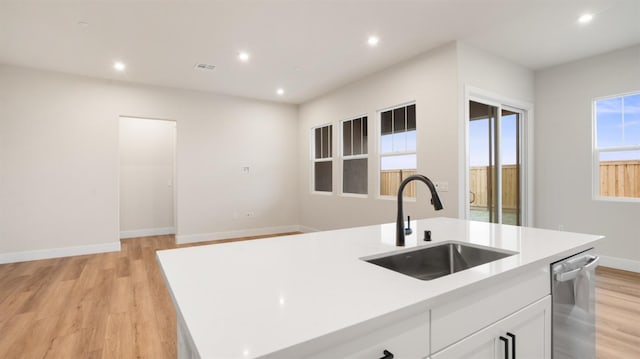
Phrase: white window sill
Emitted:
{"points": [[394, 198], [616, 199], [354, 195], [322, 193]]}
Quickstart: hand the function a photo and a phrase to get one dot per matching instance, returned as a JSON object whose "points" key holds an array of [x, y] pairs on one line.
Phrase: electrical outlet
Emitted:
{"points": [[442, 186], [249, 214]]}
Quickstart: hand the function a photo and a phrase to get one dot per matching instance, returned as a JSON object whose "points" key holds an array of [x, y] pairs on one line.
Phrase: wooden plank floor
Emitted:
{"points": [[115, 305], [617, 313], [111, 305]]}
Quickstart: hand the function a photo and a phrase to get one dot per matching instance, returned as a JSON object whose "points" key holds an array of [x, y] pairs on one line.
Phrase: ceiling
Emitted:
{"points": [[306, 47]]}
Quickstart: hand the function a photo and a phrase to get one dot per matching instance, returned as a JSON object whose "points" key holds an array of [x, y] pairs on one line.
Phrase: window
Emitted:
{"points": [[397, 149], [354, 156], [616, 153], [322, 160]]}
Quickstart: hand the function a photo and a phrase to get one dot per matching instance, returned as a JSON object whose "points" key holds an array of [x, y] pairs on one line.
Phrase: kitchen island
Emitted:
{"points": [[313, 295]]}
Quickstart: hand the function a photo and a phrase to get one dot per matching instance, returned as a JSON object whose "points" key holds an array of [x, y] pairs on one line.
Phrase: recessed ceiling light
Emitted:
{"points": [[585, 18], [119, 66], [243, 56], [373, 41], [280, 91]]}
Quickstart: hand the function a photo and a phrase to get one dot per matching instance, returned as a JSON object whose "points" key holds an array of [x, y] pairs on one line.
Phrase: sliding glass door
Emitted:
{"points": [[494, 166]]}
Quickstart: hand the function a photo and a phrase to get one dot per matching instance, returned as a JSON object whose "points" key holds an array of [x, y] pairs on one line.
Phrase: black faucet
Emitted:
{"points": [[435, 201]]}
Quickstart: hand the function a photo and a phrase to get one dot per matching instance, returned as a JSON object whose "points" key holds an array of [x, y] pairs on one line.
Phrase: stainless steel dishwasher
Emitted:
{"points": [[574, 320]]}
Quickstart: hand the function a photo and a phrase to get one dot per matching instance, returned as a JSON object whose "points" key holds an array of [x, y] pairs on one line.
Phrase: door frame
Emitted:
{"points": [[175, 172], [526, 156]]}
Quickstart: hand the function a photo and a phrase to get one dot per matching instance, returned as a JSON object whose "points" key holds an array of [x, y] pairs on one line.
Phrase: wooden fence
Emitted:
{"points": [[390, 181], [478, 177], [620, 178], [617, 179]]}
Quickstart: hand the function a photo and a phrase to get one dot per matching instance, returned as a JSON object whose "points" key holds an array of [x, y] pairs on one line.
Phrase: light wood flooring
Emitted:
{"points": [[617, 314], [111, 305], [115, 305]]}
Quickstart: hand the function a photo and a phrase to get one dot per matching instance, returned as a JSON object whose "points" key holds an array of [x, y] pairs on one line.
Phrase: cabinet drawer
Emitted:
{"points": [[479, 308], [407, 339]]}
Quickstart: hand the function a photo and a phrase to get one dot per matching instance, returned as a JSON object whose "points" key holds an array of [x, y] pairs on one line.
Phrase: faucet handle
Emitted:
{"points": [[408, 230]]}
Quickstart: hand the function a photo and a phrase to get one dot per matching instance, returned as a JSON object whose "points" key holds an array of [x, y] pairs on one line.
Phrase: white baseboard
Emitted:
{"points": [[305, 229], [147, 232], [620, 263], [24, 256], [216, 236]]}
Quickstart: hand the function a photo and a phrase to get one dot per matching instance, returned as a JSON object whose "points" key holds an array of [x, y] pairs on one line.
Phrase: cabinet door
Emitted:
{"points": [[531, 327], [533, 332]]}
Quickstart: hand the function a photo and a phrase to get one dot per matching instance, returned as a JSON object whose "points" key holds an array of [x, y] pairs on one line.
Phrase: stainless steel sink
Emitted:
{"points": [[437, 261]]}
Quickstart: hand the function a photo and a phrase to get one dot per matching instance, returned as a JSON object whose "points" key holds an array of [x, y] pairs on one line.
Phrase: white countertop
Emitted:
{"points": [[251, 298]]}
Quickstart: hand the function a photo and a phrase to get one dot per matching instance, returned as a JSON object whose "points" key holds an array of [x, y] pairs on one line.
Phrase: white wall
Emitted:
{"points": [[147, 156], [563, 160], [437, 81], [430, 81], [59, 151], [59, 161], [488, 72], [492, 78]]}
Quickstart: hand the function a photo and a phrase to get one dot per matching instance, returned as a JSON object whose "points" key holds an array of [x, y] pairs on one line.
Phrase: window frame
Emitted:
{"points": [[353, 157], [380, 154], [595, 151], [314, 160]]}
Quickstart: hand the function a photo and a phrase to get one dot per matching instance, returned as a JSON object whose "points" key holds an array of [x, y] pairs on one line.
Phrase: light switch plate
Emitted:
{"points": [[442, 186]]}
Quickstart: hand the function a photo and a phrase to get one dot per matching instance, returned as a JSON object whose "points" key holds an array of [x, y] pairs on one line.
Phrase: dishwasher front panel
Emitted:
{"points": [[573, 294]]}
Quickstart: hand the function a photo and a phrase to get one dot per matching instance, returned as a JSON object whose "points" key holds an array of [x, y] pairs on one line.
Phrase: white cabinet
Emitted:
{"points": [[406, 339], [185, 347], [477, 308], [467, 325], [530, 330]]}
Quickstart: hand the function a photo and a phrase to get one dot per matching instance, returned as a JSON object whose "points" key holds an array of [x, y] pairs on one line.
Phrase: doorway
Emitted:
{"points": [[147, 177], [494, 167]]}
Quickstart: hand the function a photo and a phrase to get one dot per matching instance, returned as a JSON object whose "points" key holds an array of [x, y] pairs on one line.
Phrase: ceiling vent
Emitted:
{"points": [[204, 67]]}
